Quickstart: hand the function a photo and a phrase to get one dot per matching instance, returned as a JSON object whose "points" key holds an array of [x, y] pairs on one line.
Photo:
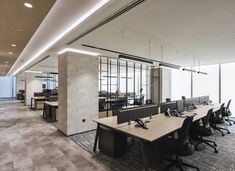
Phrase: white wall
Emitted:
{"points": [[20, 83], [33, 85], [7, 87]]}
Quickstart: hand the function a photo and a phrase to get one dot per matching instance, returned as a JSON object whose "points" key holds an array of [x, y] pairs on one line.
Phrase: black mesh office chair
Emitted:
{"points": [[168, 99], [216, 118], [226, 113], [116, 107], [199, 131], [181, 146]]}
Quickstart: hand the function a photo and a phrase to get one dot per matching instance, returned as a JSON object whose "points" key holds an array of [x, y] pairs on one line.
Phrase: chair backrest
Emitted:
{"points": [[227, 107], [184, 131], [206, 120], [168, 99], [221, 108]]}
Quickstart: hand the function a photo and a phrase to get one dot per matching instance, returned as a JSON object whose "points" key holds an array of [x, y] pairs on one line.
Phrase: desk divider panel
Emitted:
{"points": [[134, 113], [194, 100], [204, 99]]}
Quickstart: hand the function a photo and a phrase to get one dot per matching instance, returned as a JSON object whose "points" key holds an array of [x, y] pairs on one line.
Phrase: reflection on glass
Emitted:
{"points": [[227, 85], [207, 84], [181, 84]]}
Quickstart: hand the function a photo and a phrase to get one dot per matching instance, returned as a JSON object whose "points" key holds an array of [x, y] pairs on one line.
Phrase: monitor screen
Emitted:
{"points": [[180, 106]]}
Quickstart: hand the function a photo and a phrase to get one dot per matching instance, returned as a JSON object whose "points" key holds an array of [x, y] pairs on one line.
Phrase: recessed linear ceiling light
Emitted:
{"points": [[38, 72], [50, 44], [13, 45], [78, 51], [10, 53], [28, 5]]}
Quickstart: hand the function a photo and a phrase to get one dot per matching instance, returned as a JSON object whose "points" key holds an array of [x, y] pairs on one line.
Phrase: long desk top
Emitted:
{"points": [[159, 126], [40, 98], [53, 104]]}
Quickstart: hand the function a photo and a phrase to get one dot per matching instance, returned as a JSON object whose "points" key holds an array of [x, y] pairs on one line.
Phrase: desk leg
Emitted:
{"points": [[31, 104], [145, 161], [96, 137], [53, 114], [36, 104]]}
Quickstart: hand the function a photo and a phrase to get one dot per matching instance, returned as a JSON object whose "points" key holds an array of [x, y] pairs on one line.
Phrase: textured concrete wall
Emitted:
{"points": [[20, 83], [32, 85], [155, 83], [78, 93], [165, 83]]}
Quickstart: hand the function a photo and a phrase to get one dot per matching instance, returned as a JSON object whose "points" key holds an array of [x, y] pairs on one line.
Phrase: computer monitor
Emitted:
{"points": [[132, 114], [192, 101], [180, 106], [204, 99], [168, 105]]}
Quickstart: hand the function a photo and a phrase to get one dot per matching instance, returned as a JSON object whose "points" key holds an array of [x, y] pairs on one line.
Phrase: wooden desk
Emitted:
{"points": [[159, 126], [49, 111], [36, 99]]}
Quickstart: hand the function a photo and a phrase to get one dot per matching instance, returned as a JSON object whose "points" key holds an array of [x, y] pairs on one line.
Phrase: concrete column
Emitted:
{"points": [[20, 83], [155, 85], [165, 84], [32, 85], [78, 93]]}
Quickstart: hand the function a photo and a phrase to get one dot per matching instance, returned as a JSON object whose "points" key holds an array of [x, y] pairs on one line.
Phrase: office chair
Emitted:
{"points": [[199, 131], [116, 107], [216, 118], [168, 99], [181, 146], [139, 101], [101, 104], [149, 101], [226, 113]]}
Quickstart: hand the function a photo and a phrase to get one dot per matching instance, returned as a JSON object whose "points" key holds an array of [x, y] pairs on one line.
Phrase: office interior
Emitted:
{"points": [[117, 85]]}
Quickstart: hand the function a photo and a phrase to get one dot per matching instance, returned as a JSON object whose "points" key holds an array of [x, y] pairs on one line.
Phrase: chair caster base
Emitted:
{"points": [[216, 151], [215, 144]]}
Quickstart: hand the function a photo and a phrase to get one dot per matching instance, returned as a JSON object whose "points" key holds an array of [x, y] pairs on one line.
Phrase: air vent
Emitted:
{"points": [[108, 19]]}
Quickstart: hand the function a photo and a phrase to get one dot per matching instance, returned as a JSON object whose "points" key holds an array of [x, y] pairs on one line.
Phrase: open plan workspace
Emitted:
{"points": [[117, 85]]}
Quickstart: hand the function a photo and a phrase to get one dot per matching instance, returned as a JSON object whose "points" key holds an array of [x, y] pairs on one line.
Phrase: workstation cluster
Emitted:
{"points": [[182, 125], [48, 101]]}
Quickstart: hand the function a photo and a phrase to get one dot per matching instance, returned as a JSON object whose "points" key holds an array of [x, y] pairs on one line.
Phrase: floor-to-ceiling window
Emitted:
{"points": [[207, 84], [181, 84], [8, 87], [228, 85]]}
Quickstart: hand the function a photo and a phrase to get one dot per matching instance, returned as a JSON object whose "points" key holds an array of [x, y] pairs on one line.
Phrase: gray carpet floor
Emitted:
{"points": [[205, 159]]}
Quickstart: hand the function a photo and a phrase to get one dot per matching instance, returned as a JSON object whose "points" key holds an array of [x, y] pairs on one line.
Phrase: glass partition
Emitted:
{"points": [[181, 84], [123, 80], [207, 84], [228, 84]]}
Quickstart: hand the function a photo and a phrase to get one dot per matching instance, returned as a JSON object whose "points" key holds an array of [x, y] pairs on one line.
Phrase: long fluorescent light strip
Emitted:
{"points": [[78, 51], [39, 72], [80, 20]]}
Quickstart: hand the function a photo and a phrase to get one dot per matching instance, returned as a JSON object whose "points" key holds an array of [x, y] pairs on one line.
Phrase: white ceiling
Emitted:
{"points": [[203, 29]]}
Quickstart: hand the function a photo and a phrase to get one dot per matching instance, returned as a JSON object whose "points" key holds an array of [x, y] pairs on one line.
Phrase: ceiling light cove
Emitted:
{"points": [[13, 45], [38, 72], [78, 51], [28, 5], [10, 53], [96, 7]]}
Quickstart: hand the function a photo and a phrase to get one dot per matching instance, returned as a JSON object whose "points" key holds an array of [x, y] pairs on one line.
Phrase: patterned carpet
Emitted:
{"points": [[205, 159]]}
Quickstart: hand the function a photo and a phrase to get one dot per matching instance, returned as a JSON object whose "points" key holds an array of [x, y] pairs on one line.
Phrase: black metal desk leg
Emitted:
{"points": [[31, 104], [145, 162], [96, 137]]}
